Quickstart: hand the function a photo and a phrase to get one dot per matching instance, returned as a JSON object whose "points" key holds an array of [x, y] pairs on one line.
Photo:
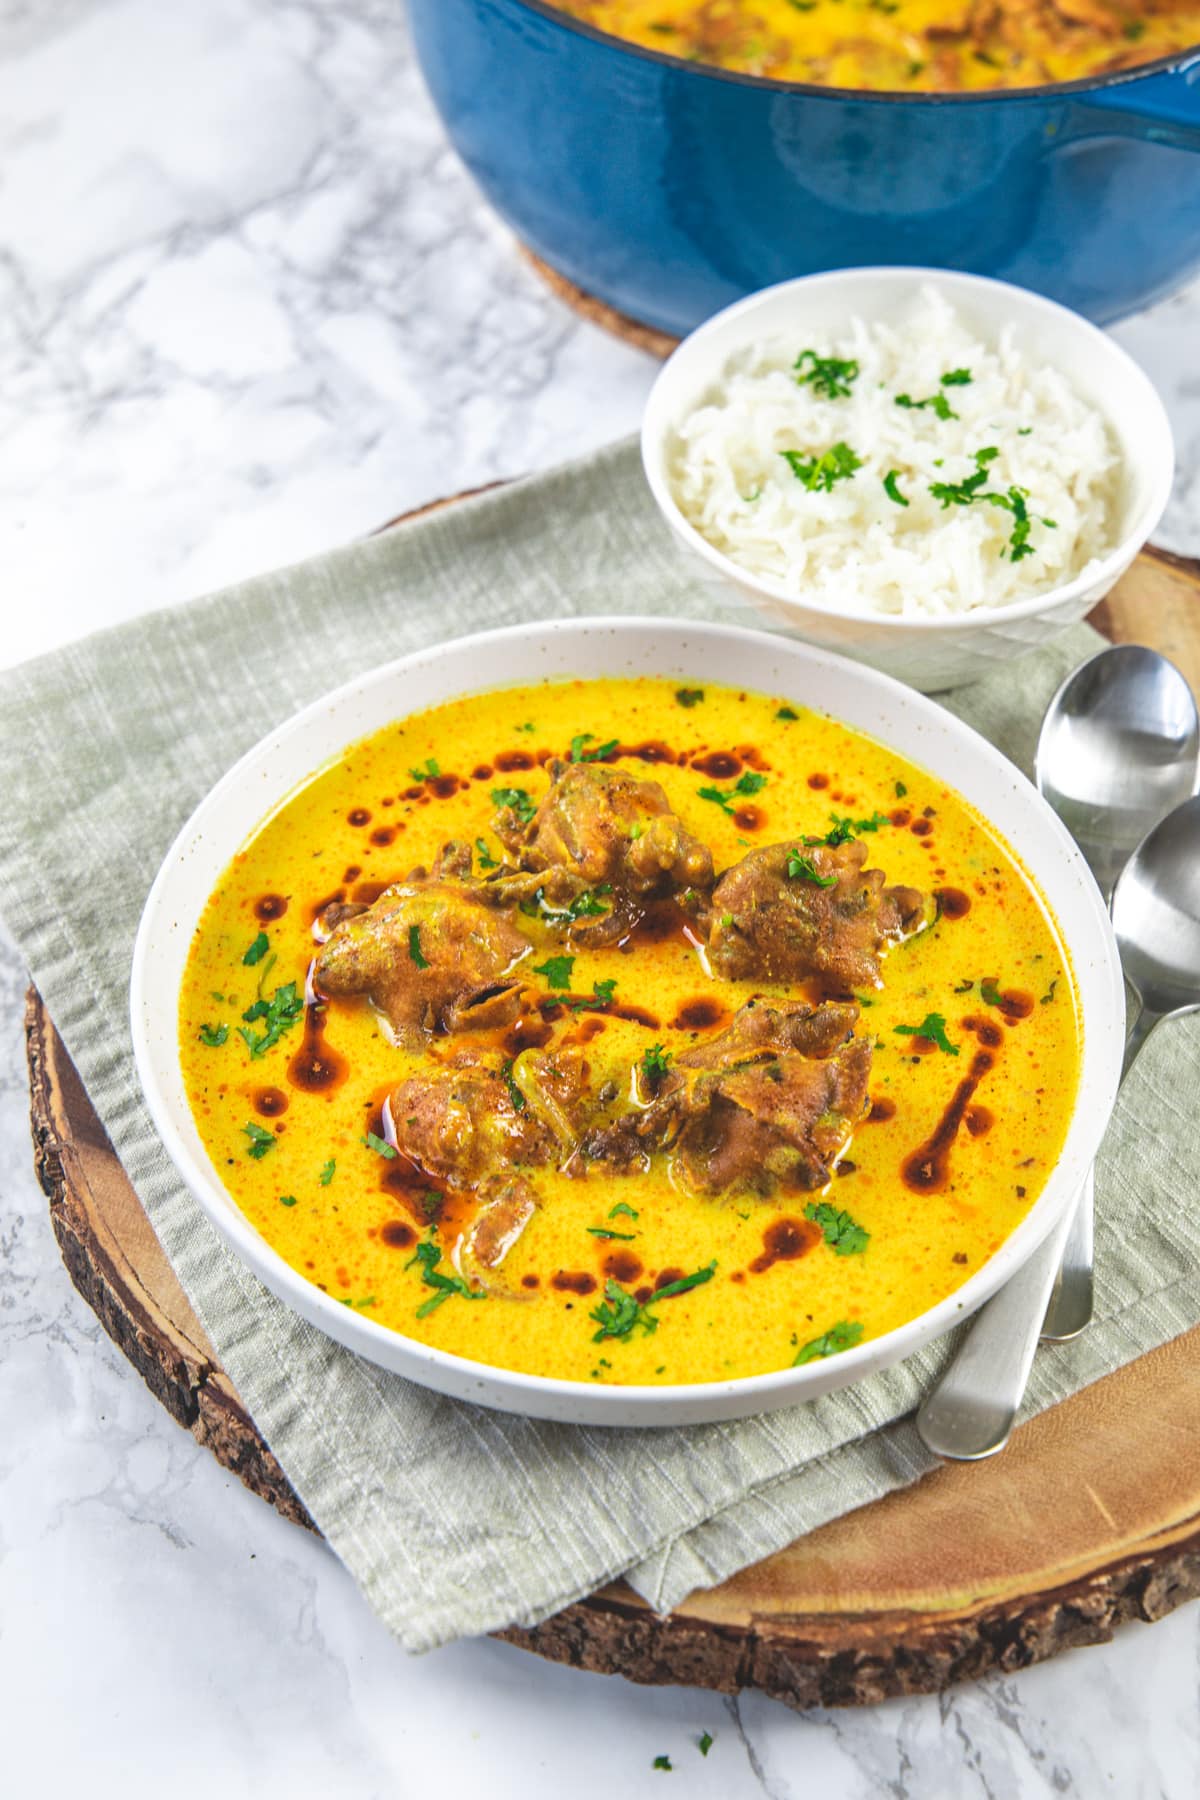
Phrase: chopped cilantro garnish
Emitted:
{"points": [[602, 993], [414, 947], [787, 714], [859, 825], [901, 790], [989, 993], [557, 970], [429, 1256], [705, 1743], [842, 1233], [268, 963], [845, 830], [661, 1762], [327, 1173], [803, 868], [828, 375], [516, 800], [686, 1282], [260, 1141], [257, 950], [287, 1199], [590, 904], [655, 1062], [842, 1336], [972, 489], [213, 1035], [619, 1313], [823, 472], [579, 754], [527, 726], [890, 488], [962, 493], [381, 1147], [603, 1231], [939, 403], [726, 799], [620, 1210], [486, 859], [516, 1097], [1048, 996], [1133, 29], [587, 905], [284, 1009], [1018, 538], [427, 770], [933, 1027], [689, 697], [957, 378]]}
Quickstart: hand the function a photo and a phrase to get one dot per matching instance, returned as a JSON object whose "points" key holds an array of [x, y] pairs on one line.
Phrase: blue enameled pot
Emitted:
{"points": [[669, 189]]}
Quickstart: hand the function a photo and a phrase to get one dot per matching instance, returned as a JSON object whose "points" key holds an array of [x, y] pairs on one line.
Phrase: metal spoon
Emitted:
{"points": [[1156, 915], [1118, 749]]}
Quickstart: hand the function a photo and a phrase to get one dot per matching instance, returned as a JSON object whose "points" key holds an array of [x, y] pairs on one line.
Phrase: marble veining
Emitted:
{"points": [[251, 305]]}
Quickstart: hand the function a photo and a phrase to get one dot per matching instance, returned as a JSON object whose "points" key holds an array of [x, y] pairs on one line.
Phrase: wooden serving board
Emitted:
{"points": [[1090, 1517]]}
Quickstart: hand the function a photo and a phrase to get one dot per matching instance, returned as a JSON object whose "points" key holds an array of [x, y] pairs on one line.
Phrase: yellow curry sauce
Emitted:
{"points": [[931, 45], [963, 1125]]}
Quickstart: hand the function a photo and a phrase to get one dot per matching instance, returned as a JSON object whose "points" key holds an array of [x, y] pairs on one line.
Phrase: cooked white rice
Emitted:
{"points": [[856, 547]]}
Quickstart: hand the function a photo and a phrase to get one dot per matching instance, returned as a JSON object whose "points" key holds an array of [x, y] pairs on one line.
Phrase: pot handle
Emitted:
{"points": [[1159, 109]]}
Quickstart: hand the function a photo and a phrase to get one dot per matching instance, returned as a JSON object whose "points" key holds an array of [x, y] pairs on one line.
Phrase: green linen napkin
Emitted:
{"points": [[455, 1520]]}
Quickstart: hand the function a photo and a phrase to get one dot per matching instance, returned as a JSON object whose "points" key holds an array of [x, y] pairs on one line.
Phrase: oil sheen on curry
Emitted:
{"points": [[625, 1032], [898, 45]]}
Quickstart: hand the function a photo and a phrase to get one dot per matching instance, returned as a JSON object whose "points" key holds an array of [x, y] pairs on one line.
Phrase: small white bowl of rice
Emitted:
{"points": [[930, 472]]}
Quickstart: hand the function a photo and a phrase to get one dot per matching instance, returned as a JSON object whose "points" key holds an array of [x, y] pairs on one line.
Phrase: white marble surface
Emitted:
{"points": [[249, 306]]}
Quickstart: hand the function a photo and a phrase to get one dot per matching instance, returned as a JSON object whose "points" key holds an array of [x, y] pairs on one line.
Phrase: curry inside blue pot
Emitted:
{"points": [[669, 189]]}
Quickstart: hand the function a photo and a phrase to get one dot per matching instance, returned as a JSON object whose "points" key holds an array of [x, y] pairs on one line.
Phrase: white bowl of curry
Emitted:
{"points": [[669, 1031]]}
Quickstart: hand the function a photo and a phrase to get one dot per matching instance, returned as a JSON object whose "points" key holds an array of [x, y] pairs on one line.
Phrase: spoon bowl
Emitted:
{"points": [[1118, 750], [1156, 916]]}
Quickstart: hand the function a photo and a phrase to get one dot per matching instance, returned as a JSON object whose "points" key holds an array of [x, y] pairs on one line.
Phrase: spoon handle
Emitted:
{"points": [[1070, 1308], [971, 1411]]}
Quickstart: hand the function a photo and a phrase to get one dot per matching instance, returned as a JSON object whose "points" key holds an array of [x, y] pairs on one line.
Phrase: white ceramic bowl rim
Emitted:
{"points": [[1100, 575], [674, 649]]}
